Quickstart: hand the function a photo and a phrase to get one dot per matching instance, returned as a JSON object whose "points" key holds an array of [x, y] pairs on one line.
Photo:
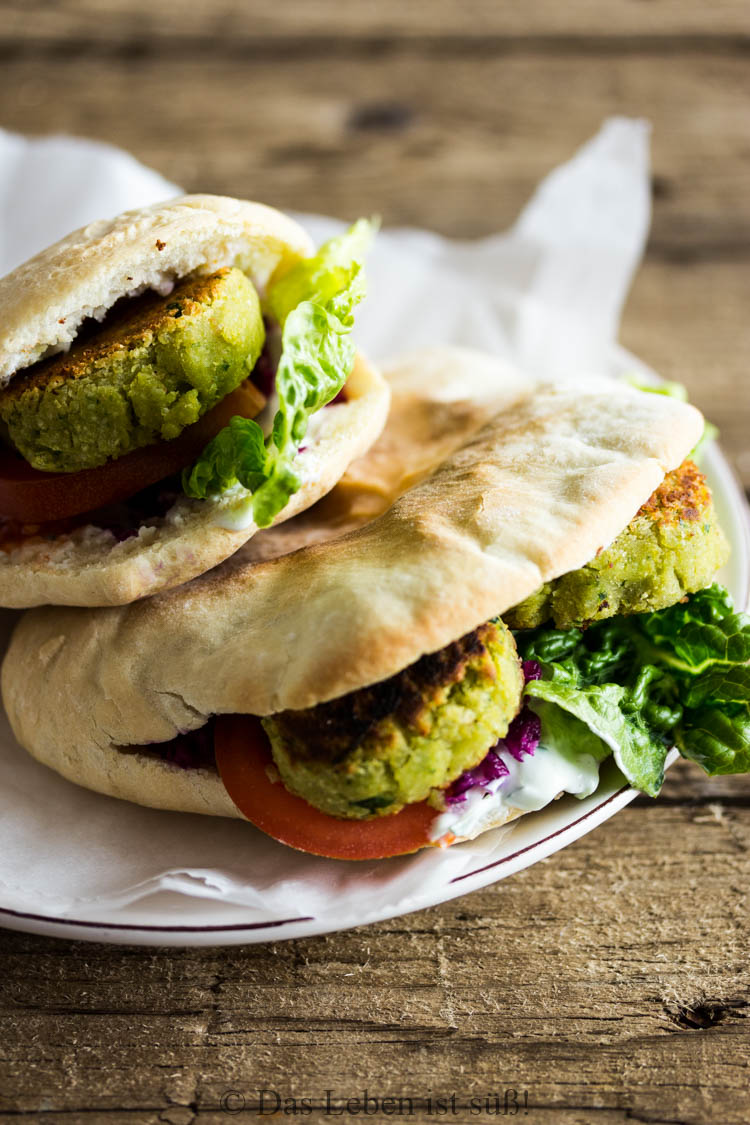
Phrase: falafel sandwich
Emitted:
{"points": [[513, 585], [162, 383]]}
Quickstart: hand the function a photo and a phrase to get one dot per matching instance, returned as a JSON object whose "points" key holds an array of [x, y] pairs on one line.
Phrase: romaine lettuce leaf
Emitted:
{"points": [[717, 739], [667, 387], [569, 737], [701, 632], [335, 269], [314, 302], [643, 683], [602, 707]]}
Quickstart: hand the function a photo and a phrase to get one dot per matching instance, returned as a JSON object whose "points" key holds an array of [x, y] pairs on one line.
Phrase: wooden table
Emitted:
{"points": [[610, 983]]}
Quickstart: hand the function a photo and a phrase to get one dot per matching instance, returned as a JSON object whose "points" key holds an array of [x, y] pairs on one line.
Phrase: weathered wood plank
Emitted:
{"points": [[612, 977], [455, 145], [689, 322], [227, 20], [687, 784]]}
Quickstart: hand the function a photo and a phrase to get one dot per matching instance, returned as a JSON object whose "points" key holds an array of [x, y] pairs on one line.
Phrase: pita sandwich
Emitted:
{"points": [[454, 635], [142, 361]]}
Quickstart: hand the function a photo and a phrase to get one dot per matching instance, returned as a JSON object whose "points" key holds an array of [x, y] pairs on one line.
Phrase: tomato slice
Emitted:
{"points": [[31, 496], [243, 757]]}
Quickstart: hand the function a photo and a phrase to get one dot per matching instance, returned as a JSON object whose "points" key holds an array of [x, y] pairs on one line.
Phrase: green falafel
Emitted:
{"points": [[155, 367], [375, 750], [672, 547]]}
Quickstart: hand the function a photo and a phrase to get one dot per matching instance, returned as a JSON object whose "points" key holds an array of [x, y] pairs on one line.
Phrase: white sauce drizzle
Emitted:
{"points": [[530, 785], [238, 516]]}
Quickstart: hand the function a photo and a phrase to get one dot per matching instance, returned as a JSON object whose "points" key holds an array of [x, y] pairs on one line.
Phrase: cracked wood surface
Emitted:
{"points": [[609, 982]]}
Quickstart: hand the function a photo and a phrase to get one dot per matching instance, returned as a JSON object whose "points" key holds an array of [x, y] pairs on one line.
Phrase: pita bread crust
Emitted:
{"points": [[149, 781], [89, 568], [45, 300], [531, 494]]}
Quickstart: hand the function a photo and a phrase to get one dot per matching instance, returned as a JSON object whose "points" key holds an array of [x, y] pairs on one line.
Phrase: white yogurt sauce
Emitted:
{"points": [[238, 516], [530, 785]]}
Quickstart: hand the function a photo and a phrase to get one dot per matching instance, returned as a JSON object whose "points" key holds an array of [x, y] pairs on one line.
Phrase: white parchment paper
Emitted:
{"points": [[547, 294]]}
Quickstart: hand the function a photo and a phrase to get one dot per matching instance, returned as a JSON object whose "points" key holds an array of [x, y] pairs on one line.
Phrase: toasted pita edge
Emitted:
{"points": [[44, 301]]}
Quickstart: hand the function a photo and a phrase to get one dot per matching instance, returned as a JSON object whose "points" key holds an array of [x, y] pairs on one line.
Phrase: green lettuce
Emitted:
{"points": [[643, 683], [667, 387], [314, 304]]}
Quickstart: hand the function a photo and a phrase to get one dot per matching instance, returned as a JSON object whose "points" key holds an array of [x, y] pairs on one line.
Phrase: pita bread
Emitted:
{"points": [[45, 300], [42, 305], [425, 538], [89, 567]]}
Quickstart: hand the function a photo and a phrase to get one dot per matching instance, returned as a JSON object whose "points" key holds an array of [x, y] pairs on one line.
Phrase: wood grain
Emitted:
{"points": [[229, 21], [611, 981], [688, 322], [455, 144]]}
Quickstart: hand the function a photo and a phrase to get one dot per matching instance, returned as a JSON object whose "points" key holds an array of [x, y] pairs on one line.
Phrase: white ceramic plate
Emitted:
{"points": [[168, 918]]}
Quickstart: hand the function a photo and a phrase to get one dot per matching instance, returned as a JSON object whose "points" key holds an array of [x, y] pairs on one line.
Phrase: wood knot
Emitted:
{"points": [[707, 1013], [380, 117]]}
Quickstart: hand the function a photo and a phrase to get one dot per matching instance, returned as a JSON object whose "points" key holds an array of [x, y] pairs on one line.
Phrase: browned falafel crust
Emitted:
{"points": [[328, 731], [154, 366], [682, 495], [673, 546]]}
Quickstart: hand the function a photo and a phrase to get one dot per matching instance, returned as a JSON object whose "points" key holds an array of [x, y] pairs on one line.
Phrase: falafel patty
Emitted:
{"points": [[373, 751], [156, 366], [672, 547]]}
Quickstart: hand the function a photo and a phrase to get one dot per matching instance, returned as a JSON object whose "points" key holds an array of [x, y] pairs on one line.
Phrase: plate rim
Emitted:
{"points": [[138, 933]]}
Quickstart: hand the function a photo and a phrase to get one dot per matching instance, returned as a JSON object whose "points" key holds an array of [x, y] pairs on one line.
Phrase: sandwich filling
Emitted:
{"points": [[501, 722], [375, 750], [370, 752], [672, 547], [157, 365], [137, 398]]}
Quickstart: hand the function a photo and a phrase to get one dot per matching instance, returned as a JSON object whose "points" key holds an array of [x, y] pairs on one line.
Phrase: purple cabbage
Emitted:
{"points": [[263, 374], [489, 769], [523, 734], [342, 396], [522, 738], [532, 670]]}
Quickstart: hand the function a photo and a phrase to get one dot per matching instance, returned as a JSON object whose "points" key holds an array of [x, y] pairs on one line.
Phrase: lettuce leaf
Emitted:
{"points": [[644, 683], [667, 387], [336, 269], [603, 708], [314, 303], [569, 737]]}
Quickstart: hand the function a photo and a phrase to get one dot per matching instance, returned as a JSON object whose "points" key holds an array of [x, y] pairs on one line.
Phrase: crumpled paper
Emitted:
{"points": [[547, 294]]}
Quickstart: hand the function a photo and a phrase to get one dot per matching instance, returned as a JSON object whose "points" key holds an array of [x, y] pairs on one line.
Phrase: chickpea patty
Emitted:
{"points": [[156, 366], [372, 751], [672, 547]]}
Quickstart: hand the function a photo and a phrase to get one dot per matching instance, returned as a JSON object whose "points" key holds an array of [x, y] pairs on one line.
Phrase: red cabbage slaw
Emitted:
{"points": [[522, 738]]}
